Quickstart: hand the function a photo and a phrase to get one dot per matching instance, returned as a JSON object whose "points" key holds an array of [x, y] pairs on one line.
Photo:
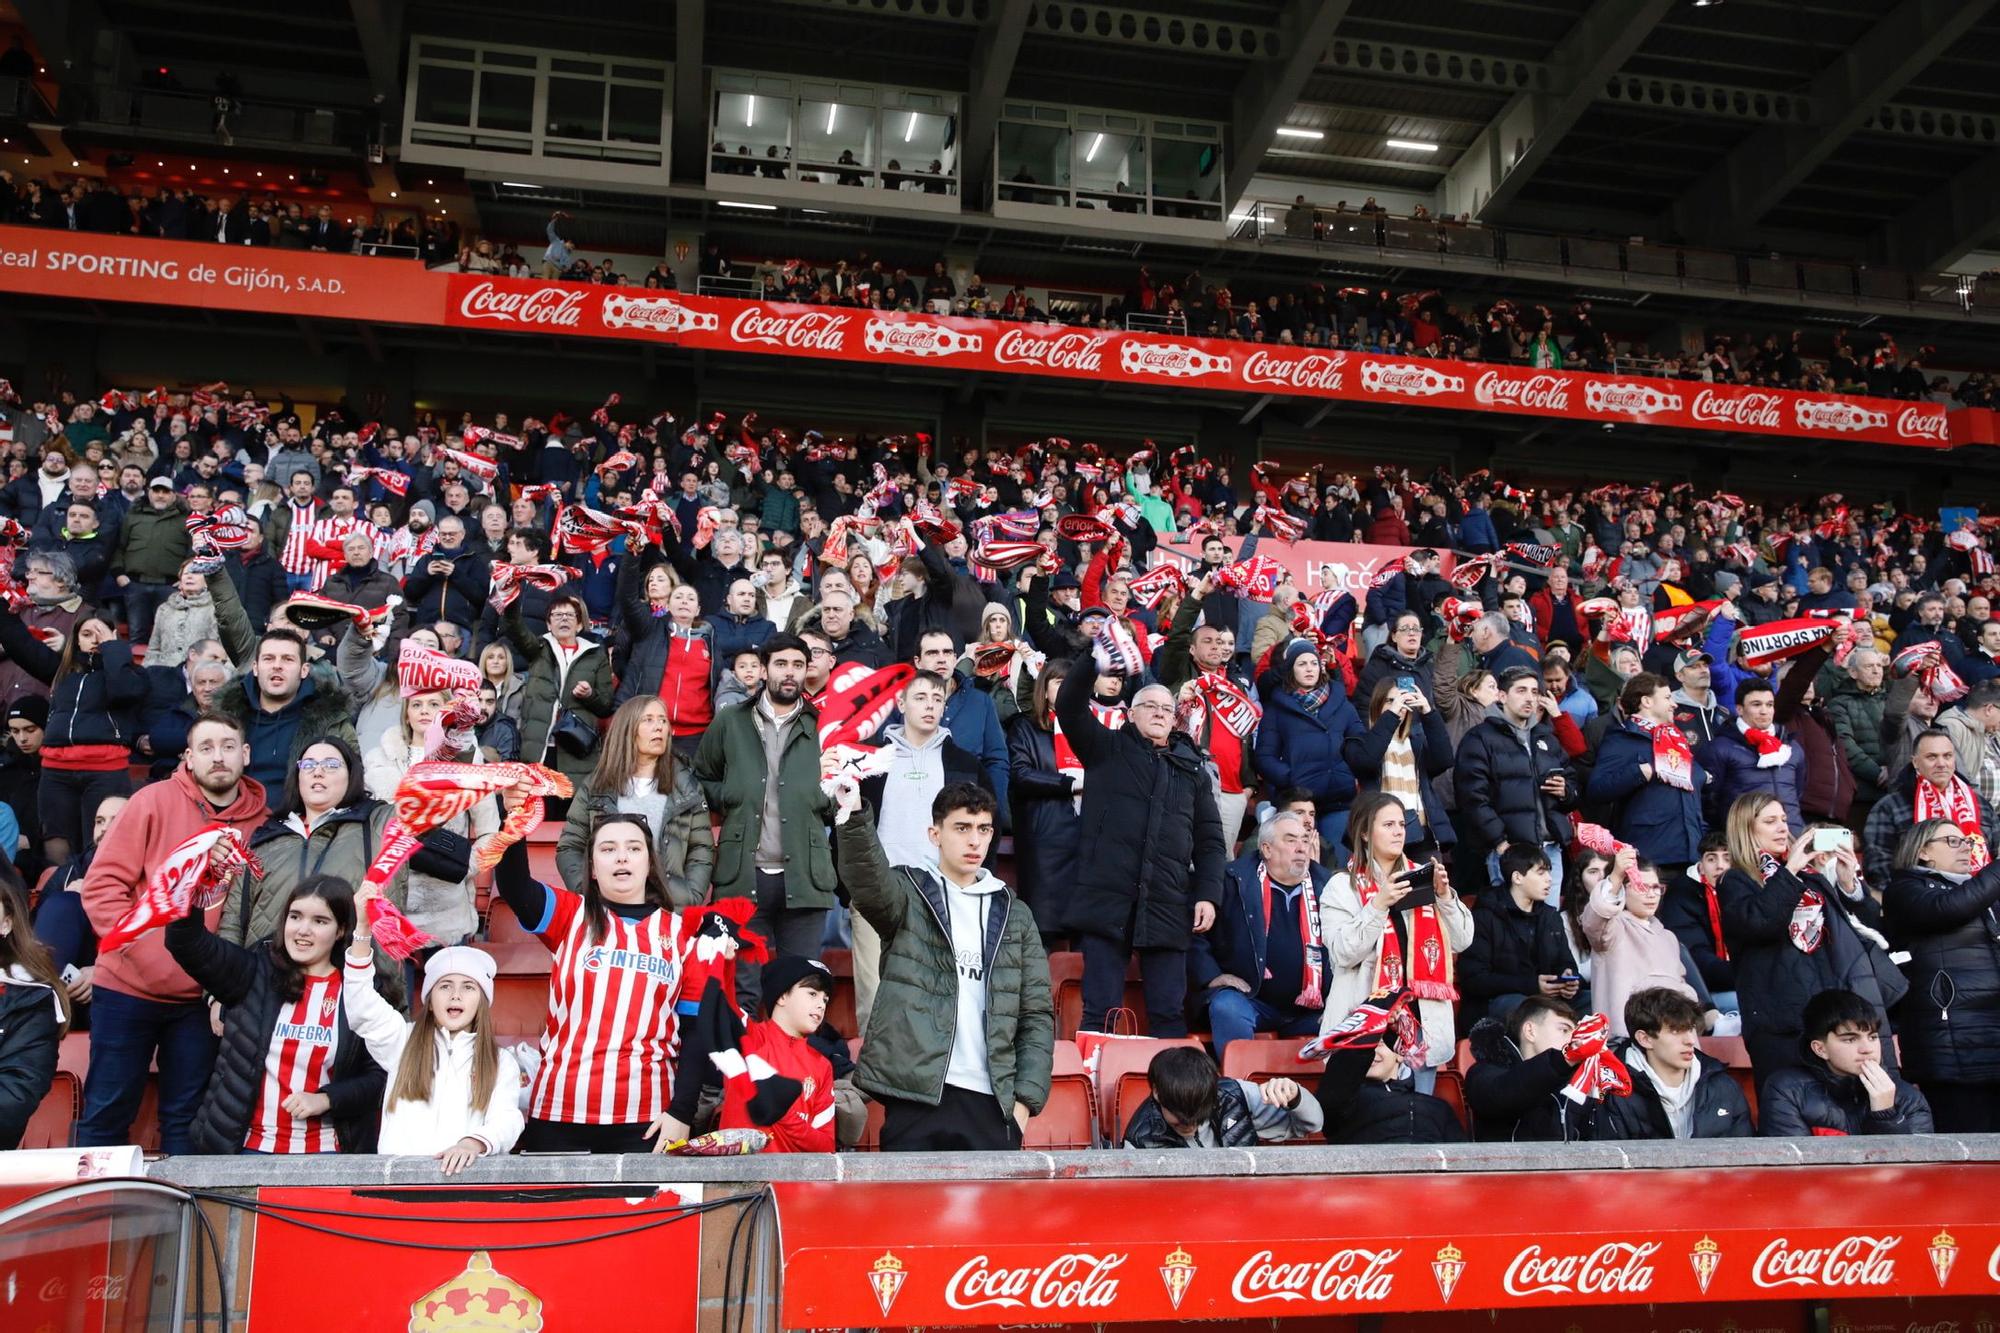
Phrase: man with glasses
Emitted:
{"points": [[1151, 854], [449, 583], [1930, 788]]}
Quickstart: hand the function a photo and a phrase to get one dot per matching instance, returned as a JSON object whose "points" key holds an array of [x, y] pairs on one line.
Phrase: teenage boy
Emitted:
{"points": [[1193, 1106], [1844, 1088], [1515, 1086], [1679, 1091], [961, 1044], [773, 1079], [1519, 947]]}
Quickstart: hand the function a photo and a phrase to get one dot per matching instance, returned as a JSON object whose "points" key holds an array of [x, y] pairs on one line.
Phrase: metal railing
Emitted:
{"points": [[1392, 236], [191, 115]]}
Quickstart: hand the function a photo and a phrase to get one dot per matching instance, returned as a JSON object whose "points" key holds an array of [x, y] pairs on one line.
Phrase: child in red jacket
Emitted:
{"points": [[773, 1079]]}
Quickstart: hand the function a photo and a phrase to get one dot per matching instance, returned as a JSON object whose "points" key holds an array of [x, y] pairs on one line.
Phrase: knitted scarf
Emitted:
{"points": [[1957, 804], [1673, 758], [1314, 699], [1230, 705], [1808, 926], [1428, 973], [1312, 996], [1772, 751]]}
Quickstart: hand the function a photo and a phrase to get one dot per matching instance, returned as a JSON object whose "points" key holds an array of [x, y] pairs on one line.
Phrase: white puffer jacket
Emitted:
{"points": [[428, 1128]]}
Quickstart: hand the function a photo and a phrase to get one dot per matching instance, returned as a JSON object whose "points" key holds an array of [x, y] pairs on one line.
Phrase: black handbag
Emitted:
{"points": [[444, 855], [573, 733]]}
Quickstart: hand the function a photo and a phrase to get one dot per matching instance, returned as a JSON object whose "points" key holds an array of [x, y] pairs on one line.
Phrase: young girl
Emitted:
{"points": [[453, 1093], [290, 1074], [1631, 948], [613, 1031], [33, 1017]]}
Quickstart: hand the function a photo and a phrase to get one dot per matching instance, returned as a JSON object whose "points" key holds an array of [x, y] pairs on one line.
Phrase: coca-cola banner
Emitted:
{"points": [[191, 274], [1314, 566], [1119, 1251]]}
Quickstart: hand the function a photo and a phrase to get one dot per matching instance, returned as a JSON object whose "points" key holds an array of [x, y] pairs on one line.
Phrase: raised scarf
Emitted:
{"points": [[1312, 996], [1428, 973], [1673, 758], [1231, 706], [1960, 806], [1598, 1071]]}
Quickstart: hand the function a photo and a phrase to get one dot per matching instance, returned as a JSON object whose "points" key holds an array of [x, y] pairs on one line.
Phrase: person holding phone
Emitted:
{"points": [[1513, 780], [1391, 925], [1518, 947], [1405, 747]]}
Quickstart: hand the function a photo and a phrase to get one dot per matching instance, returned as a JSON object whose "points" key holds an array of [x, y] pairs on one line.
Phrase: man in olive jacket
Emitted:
{"points": [[759, 765], [961, 1042]]}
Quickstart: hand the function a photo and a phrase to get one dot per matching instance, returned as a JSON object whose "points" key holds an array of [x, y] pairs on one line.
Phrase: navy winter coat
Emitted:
{"points": [[1732, 767], [1662, 821], [1296, 748]]}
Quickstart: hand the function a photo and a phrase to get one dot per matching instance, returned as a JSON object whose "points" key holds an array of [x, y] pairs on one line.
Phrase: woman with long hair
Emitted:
{"points": [[326, 824], [1377, 948], [869, 591], [496, 665], [1002, 684], [1404, 748], [1794, 929], [1043, 789], [637, 774], [95, 691], [1946, 914], [453, 1093], [435, 892], [1463, 701], [672, 659], [290, 1075], [34, 1015], [605, 1083]]}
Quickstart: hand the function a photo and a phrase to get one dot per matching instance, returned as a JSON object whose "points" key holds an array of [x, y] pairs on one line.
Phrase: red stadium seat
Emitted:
{"points": [[1066, 981], [1261, 1059], [1451, 1091], [520, 1003], [1069, 1121], [519, 958], [53, 1124], [1121, 1078]]}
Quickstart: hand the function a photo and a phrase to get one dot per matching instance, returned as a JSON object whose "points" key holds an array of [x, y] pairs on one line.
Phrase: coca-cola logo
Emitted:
{"points": [[1923, 423], [1752, 411], [1836, 414], [656, 314], [1349, 1275], [1310, 370], [1615, 1266], [1533, 393], [917, 338], [809, 330], [1628, 397], [1857, 1261], [1075, 1281], [1408, 379], [1083, 352], [1176, 360], [541, 307]]}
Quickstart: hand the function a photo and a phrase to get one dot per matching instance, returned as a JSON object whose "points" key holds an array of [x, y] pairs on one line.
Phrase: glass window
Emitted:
{"points": [[1034, 163], [753, 135], [506, 101], [1187, 178], [919, 150], [832, 134], [576, 109], [635, 114], [1110, 170], [444, 94]]}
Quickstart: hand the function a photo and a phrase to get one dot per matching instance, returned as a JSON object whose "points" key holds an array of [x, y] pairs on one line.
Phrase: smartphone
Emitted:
{"points": [[1833, 840], [1408, 684]]}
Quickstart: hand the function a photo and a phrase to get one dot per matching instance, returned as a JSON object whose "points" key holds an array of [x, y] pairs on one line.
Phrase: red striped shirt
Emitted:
{"points": [[612, 1034], [300, 1059]]}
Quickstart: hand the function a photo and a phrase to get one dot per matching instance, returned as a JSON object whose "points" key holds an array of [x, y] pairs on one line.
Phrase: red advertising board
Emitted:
{"points": [[493, 1257], [1118, 1251], [184, 273]]}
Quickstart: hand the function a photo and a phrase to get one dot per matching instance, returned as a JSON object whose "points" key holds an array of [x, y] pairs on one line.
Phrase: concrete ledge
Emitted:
{"points": [[1726, 1154]]}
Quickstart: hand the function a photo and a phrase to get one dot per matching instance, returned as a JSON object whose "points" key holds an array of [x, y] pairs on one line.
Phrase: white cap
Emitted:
{"points": [[463, 960]]}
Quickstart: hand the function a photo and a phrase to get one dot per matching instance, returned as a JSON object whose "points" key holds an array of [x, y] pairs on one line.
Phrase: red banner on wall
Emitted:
{"points": [[183, 273], [1114, 1251]]}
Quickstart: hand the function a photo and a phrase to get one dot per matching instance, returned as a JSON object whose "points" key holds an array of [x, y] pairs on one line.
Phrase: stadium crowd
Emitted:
{"points": [[1582, 779]]}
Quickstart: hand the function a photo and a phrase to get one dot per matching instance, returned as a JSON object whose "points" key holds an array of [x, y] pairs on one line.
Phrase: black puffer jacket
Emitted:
{"points": [[95, 702], [1393, 1113], [1430, 746], [1232, 1122], [1498, 783], [1721, 1111], [1950, 1020], [1046, 824], [247, 985], [1521, 1101], [1804, 1102], [30, 1032], [1511, 948], [1385, 663], [1151, 841], [1774, 978]]}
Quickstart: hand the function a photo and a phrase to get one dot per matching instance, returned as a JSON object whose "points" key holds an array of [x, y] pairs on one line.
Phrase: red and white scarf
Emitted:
{"points": [[1808, 926], [1960, 806], [1429, 972], [1673, 758], [1598, 1071], [1772, 751], [1232, 707], [1312, 994]]}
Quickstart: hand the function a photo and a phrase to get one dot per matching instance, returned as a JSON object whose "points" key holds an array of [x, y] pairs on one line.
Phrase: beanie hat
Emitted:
{"points": [[464, 961], [32, 708], [788, 970]]}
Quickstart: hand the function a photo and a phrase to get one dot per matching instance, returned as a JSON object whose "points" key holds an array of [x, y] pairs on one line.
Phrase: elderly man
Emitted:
{"points": [[851, 640], [360, 582], [1930, 788], [1151, 853], [1264, 967], [1855, 703], [1974, 727], [1493, 642]]}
